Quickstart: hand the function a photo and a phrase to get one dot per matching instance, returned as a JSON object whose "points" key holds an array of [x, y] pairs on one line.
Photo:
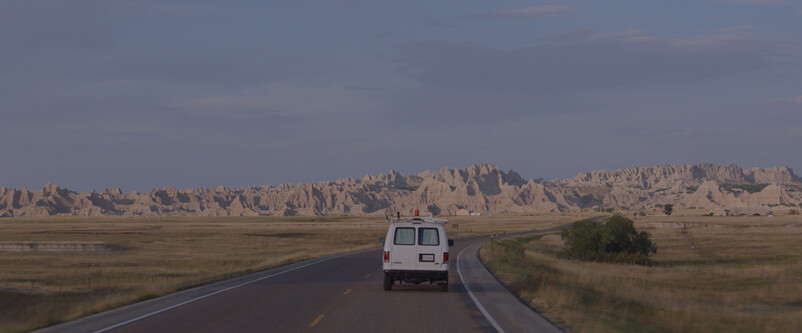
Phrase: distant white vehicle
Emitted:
{"points": [[415, 251]]}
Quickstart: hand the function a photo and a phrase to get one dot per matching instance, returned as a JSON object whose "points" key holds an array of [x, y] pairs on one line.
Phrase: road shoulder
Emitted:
{"points": [[504, 311]]}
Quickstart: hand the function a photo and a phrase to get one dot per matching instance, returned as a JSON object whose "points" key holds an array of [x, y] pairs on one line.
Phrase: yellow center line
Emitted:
{"points": [[367, 276], [347, 292], [316, 321]]}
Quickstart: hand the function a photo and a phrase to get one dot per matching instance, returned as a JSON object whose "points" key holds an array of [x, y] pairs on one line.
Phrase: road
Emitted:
{"points": [[340, 293]]}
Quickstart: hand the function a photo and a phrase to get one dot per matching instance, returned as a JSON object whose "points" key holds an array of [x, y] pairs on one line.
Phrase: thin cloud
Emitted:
{"points": [[535, 12], [583, 59], [758, 2], [786, 101], [283, 99], [794, 132], [797, 99], [587, 36], [173, 9], [648, 132], [460, 82], [736, 28], [438, 23]]}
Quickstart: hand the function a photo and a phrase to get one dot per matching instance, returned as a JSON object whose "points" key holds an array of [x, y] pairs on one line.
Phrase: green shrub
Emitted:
{"points": [[615, 240], [668, 209], [585, 239], [793, 212]]}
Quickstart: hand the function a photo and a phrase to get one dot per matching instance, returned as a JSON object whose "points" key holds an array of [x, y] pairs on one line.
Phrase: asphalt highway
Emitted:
{"points": [[340, 293]]}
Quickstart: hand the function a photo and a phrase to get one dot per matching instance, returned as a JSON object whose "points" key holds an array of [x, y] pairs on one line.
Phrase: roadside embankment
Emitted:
{"points": [[744, 275]]}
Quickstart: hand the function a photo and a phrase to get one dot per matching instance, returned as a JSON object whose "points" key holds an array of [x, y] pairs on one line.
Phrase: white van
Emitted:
{"points": [[415, 251]]}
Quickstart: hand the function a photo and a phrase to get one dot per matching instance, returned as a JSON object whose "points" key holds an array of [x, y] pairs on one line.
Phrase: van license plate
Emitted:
{"points": [[427, 257]]}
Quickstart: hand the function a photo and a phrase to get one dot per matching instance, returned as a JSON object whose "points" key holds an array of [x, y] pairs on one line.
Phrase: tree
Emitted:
{"points": [[643, 244], [585, 240], [616, 239], [625, 238], [668, 209], [621, 230]]}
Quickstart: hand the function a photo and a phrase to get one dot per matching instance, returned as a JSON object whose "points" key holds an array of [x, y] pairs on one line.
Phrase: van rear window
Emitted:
{"points": [[404, 236], [428, 236]]}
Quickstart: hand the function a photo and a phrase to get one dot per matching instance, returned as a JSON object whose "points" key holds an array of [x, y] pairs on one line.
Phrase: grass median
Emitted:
{"points": [[728, 274]]}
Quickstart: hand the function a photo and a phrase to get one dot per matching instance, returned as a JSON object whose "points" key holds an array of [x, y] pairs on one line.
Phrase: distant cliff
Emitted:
{"points": [[481, 187]]}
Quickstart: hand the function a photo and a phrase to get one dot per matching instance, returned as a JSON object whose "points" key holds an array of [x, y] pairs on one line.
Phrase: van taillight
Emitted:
{"points": [[445, 257], [386, 256]]}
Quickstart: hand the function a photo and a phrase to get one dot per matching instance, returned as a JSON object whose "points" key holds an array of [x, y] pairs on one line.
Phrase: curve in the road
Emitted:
{"points": [[334, 294], [473, 297]]}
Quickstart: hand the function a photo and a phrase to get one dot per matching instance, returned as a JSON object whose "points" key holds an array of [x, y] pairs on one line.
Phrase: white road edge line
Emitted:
{"points": [[211, 294], [473, 297]]}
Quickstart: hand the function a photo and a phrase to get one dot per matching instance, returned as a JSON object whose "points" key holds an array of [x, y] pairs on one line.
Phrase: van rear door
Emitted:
{"points": [[430, 251], [403, 255]]}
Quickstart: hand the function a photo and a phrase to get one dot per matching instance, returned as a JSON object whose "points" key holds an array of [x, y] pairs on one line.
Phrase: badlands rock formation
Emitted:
{"points": [[482, 187], [693, 185]]}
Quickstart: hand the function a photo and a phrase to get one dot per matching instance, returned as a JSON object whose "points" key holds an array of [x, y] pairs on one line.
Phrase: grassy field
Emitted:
{"points": [[124, 260], [711, 274]]}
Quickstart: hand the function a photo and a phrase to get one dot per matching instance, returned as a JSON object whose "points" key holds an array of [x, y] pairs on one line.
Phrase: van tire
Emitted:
{"points": [[388, 283], [444, 287]]}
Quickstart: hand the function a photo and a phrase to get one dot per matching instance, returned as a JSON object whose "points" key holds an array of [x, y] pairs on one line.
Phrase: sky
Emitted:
{"points": [[148, 94]]}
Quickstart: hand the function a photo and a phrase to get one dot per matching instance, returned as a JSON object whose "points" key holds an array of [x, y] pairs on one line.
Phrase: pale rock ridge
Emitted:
{"points": [[662, 176], [481, 187], [693, 185], [781, 175]]}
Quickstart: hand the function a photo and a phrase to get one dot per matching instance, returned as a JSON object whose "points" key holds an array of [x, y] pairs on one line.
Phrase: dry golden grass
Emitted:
{"points": [[711, 274], [149, 257], [459, 226]]}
